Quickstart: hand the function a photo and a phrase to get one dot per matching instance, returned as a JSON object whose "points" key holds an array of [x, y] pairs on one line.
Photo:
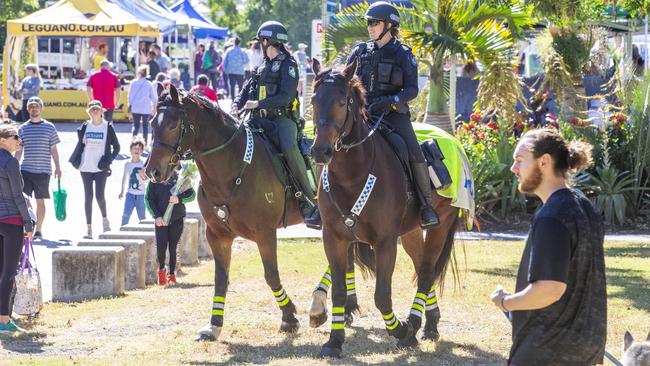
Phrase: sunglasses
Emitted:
{"points": [[373, 22]]}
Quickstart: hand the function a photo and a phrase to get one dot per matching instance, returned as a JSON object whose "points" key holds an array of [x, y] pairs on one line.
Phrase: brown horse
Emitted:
{"points": [[239, 194], [365, 196]]}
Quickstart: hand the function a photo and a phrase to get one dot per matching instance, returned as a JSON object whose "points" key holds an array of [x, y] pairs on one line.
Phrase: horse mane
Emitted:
{"points": [[355, 85], [208, 105]]}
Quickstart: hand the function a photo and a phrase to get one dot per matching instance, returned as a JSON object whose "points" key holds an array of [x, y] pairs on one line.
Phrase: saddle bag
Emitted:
{"points": [[438, 172]]}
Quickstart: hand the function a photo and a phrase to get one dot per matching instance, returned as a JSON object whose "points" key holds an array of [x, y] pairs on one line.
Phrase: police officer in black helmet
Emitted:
{"points": [[389, 73], [272, 95]]}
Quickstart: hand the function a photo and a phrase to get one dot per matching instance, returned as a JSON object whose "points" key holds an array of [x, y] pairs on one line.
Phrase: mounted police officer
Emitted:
{"points": [[389, 72], [272, 95]]}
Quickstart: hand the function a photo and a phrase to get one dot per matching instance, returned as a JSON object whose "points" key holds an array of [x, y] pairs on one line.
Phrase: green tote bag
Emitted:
{"points": [[59, 202]]}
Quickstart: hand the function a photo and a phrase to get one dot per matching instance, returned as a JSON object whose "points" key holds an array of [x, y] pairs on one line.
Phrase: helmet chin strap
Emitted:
{"points": [[265, 47], [383, 33]]}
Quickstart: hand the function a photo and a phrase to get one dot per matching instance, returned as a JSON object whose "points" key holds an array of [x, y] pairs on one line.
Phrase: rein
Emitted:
{"points": [[338, 144], [186, 127]]}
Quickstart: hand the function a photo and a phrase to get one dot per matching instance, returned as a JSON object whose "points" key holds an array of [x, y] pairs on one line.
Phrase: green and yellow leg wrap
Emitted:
{"points": [[419, 303], [281, 297], [218, 304], [432, 299], [338, 318], [391, 321], [325, 281], [350, 286]]}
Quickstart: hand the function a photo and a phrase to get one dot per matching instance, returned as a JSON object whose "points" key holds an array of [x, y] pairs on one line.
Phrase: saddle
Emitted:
{"points": [[438, 172]]}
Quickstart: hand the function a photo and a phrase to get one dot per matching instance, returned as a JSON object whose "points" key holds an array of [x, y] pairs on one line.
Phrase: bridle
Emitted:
{"points": [[182, 144], [342, 131]]}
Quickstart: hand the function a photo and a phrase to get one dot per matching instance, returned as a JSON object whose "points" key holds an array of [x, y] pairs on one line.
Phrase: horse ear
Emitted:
{"points": [[627, 341], [316, 66], [351, 69], [174, 93], [160, 88]]}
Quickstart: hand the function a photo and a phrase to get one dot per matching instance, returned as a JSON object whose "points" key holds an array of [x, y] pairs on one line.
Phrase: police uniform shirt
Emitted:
{"points": [[277, 84], [389, 70]]}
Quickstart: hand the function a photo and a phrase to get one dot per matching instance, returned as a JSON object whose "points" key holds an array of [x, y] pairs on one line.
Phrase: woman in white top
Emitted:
{"points": [[96, 149]]}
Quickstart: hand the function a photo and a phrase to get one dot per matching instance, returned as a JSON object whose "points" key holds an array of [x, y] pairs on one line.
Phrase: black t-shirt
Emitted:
{"points": [[565, 244]]}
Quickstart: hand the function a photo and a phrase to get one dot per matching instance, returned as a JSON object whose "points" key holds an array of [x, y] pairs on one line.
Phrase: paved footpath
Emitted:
{"points": [[69, 232]]}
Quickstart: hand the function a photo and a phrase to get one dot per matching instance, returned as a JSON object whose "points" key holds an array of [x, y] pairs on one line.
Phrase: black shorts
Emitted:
{"points": [[38, 183]]}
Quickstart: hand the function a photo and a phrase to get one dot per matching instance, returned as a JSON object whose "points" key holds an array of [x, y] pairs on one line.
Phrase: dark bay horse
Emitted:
{"points": [[239, 194], [365, 196]]}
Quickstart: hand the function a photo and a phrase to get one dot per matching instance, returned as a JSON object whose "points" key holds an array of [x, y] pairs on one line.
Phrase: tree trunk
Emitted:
{"points": [[437, 104]]}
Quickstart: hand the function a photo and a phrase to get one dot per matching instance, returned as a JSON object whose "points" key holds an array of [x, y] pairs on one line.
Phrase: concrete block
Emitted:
{"points": [[204, 246], [138, 227], [188, 247], [83, 273], [151, 260], [135, 258]]}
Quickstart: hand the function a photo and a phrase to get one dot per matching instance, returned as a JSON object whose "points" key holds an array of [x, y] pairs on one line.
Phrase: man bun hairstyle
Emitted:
{"points": [[568, 156]]}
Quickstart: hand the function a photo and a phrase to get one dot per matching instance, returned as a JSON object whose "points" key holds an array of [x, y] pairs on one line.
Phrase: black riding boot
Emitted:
{"points": [[423, 185], [308, 207]]}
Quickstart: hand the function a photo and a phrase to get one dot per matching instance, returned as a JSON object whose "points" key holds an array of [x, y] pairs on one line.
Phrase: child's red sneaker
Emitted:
{"points": [[162, 277], [171, 279]]}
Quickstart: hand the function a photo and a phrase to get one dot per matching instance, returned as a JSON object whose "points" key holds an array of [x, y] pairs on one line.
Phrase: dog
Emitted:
{"points": [[635, 353]]}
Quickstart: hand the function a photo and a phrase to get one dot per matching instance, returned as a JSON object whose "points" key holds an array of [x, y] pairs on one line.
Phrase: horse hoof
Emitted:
{"points": [[407, 343], [316, 321], [330, 352], [205, 338], [208, 333], [289, 327], [430, 335]]}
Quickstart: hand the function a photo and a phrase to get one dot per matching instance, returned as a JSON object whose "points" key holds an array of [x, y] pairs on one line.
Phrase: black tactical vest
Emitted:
{"points": [[379, 69]]}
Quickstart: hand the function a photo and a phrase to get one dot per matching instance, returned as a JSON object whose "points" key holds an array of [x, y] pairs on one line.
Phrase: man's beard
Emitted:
{"points": [[532, 182], [34, 114]]}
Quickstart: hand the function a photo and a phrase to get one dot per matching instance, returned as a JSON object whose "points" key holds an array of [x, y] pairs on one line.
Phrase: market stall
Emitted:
{"points": [[69, 23]]}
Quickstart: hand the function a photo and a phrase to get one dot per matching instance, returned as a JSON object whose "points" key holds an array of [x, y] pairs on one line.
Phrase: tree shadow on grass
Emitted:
{"points": [[186, 285], [24, 342], [501, 272], [360, 343], [639, 250], [634, 284]]}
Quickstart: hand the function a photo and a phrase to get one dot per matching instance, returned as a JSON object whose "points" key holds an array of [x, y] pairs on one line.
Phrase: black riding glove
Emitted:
{"points": [[382, 105]]}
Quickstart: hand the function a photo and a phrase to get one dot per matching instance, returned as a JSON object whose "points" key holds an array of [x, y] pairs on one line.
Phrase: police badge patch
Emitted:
{"points": [[292, 72], [276, 66]]}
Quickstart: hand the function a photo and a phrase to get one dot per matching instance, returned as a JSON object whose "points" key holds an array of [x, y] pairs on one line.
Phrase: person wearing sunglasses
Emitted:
{"points": [[15, 221], [389, 72]]}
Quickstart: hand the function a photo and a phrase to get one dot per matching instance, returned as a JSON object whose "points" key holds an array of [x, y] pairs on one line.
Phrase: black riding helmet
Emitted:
{"points": [[275, 32], [385, 11]]}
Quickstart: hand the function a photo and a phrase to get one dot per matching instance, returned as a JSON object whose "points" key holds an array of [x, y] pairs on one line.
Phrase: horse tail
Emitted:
{"points": [[364, 257], [446, 257]]}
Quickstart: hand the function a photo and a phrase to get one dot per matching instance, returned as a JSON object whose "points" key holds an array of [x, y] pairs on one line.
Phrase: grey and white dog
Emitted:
{"points": [[635, 353]]}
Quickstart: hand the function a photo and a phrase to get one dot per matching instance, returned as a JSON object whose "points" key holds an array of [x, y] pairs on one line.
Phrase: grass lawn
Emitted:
{"points": [[156, 326]]}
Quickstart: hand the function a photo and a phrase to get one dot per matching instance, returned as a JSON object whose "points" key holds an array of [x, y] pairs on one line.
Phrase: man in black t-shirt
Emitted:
{"points": [[559, 308]]}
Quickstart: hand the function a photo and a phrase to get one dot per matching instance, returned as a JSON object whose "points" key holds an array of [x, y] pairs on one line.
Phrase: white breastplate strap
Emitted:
{"points": [[248, 154], [363, 196]]}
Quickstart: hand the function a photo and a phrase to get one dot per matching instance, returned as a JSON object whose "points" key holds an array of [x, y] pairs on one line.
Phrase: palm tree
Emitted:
{"points": [[437, 29]]}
